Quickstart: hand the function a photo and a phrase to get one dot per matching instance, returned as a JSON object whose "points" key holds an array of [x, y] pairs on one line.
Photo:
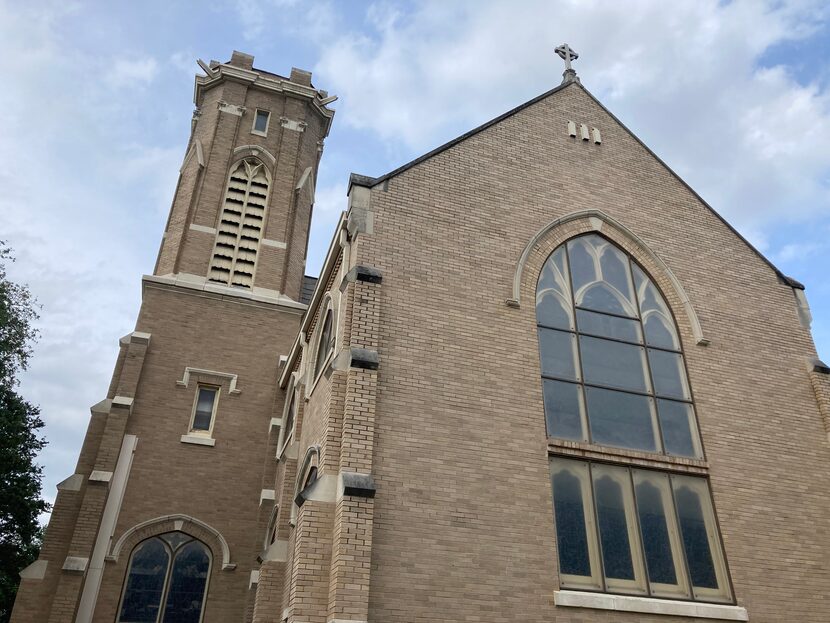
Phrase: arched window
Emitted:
{"points": [[324, 344], [166, 581], [613, 375], [612, 366], [272, 530], [289, 419], [241, 225]]}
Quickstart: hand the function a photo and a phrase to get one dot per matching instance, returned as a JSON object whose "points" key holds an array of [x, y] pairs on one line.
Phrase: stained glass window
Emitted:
{"points": [[171, 569], [637, 532], [612, 368]]}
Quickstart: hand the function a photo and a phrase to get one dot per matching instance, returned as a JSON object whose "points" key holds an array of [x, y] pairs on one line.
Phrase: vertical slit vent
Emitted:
{"points": [[240, 225]]}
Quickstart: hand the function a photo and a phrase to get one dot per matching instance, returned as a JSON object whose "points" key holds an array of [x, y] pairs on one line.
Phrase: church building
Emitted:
{"points": [[537, 379]]}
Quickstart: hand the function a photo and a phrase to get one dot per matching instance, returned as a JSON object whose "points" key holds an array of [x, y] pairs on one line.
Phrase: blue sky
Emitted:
{"points": [[97, 102]]}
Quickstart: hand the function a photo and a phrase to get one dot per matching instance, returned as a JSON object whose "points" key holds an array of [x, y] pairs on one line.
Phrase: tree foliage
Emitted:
{"points": [[20, 476]]}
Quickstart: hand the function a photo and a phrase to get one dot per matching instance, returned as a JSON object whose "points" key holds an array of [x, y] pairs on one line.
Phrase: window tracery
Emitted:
{"points": [[613, 375]]}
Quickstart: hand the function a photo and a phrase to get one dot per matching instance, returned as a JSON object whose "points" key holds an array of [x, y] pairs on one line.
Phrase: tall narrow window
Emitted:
{"points": [[204, 409], [288, 419], [612, 367], [241, 225], [166, 581], [323, 345]]}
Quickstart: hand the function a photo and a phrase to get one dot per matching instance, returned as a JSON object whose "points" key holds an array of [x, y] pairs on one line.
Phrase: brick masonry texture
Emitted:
{"points": [[450, 427]]}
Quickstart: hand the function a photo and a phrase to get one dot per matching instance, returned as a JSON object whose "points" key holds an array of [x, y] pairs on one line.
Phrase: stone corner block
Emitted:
{"points": [[75, 564], [35, 571], [139, 337], [102, 407], [357, 485], [354, 357], [122, 402], [98, 475], [369, 274], [364, 358], [73, 483], [360, 221]]}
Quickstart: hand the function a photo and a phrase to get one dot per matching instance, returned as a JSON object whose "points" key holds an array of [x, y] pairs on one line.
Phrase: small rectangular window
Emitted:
{"points": [[204, 409], [261, 122]]}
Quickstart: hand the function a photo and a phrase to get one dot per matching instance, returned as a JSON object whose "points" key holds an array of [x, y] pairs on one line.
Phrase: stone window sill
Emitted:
{"points": [[198, 440], [583, 450], [647, 605]]}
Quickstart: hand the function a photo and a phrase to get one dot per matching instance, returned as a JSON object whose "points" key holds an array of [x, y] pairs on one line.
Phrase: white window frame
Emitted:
{"points": [[267, 122], [200, 432]]}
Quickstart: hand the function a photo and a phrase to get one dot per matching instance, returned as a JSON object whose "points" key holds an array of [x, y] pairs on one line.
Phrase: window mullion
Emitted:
{"points": [[638, 529], [655, 416], [595, 528], [680, 537], [586, 423], [243, 210], [167, 578]]}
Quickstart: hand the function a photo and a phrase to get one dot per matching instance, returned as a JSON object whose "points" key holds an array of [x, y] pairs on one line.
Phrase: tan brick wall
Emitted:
{"points": [[463, 514], [218, 485], [821, 386]]}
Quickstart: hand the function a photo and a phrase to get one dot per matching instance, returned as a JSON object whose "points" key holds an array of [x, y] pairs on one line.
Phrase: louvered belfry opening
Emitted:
{"points": [[241, 224]]}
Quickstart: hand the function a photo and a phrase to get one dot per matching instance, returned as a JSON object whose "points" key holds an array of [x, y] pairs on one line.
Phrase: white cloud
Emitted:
{"points": [[129, 72], [254, 15], [85, 193], [678, 73]]}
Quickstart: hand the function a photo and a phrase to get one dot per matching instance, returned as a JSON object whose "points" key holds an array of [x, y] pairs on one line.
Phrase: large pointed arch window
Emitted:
{"points": [[241, 225], [166, 581], [613, 376], [612, 365]]}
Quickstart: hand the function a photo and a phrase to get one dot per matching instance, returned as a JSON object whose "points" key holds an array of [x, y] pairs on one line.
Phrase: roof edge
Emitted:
{"points": [[356, 179], [793, 283], [377, 180]]}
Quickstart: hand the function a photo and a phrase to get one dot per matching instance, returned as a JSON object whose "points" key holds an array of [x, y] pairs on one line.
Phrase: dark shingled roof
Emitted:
{"points": [[307, 291]]}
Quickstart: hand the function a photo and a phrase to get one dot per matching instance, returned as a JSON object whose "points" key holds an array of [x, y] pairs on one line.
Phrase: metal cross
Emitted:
{"points": [[567, 54]]}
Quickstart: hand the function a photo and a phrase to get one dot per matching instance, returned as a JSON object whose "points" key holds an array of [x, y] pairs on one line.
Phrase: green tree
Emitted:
{"points": [[20, 476]]}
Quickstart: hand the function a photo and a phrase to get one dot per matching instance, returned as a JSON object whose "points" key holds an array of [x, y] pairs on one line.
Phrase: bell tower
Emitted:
{"points": [[242, 207], [173, 487]]}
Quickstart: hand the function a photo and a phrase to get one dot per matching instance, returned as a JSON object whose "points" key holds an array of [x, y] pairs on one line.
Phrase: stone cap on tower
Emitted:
{"points": [[241, 69]]}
